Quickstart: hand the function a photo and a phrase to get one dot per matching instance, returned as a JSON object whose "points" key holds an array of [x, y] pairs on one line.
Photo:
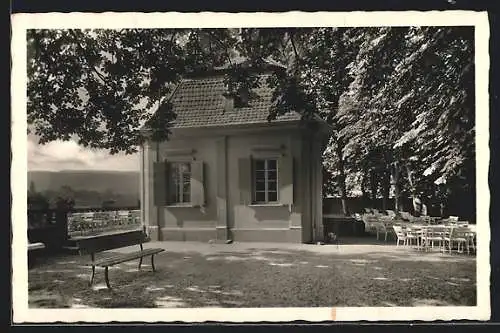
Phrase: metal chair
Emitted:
{"points": [[432, 235], [383, 228], [458, 236], [391, 213], [414, 234], [401, 236], [471, 241]]}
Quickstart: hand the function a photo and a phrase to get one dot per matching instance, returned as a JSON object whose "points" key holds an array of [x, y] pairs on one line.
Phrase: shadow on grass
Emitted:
{"points": [[259, 278]]}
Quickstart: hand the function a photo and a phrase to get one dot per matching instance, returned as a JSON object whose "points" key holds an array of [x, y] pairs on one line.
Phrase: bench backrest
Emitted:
{"points": [[88, 245]]}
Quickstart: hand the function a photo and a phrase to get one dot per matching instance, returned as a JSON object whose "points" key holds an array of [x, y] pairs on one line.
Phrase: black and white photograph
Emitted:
{"points": [[309, 166]]}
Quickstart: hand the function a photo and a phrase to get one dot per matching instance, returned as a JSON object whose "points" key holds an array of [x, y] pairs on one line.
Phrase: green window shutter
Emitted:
{"points": [[245, 180], [197, 184], [285, 179], [160, 183]]}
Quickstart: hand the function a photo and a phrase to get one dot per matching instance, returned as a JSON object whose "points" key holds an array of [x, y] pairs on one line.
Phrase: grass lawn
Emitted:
{"points": [[236, 275]]}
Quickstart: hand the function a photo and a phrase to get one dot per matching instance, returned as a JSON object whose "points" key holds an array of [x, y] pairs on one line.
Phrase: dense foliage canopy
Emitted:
{"points": [[400, 100]]}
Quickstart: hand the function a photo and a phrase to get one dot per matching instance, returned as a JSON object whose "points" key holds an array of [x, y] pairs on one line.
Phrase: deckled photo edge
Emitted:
{"points": [[21, 22]]}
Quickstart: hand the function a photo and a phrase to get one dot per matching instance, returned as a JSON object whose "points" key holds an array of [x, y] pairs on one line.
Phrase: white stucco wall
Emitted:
{"points": [[223, 210]]}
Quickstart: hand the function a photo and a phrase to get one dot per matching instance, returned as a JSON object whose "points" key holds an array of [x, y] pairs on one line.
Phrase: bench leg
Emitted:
{"points": [[106, 277], [140, 263], [31, 260], [92, 276], [153, 262]]}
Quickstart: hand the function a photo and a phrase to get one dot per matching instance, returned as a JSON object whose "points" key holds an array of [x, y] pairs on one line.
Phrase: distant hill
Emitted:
{"points": [[120, 182]]}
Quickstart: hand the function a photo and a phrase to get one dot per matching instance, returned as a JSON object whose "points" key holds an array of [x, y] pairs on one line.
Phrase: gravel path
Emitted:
{"points": [[191, 274]]}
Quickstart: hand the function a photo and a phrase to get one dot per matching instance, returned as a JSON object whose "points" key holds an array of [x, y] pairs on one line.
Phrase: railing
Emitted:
{"points": [[53, 227], [100, 221]]}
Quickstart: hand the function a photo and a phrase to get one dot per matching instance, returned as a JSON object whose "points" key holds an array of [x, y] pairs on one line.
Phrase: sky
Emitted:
{"points": [[68, 155]]}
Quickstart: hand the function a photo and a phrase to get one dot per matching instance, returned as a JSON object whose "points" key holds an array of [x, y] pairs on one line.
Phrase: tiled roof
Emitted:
{"points": [[199, 102]]}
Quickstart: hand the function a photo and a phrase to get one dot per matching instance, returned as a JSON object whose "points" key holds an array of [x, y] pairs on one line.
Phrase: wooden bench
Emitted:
{"points": [[95, 244], [32, 249], [35, 246]]}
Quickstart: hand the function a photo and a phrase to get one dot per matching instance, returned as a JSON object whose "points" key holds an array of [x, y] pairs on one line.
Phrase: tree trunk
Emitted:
{"points": [[386, 184], [373, 186], [342, 186], [397, 187], [441, 209], [364, 195], [412, 186]]}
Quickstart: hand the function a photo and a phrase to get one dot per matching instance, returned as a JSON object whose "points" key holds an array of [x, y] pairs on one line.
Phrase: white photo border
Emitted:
{"points": [[22, 22]]}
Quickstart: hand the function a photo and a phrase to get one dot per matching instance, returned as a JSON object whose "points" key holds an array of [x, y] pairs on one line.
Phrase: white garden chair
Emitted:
{"points": [[383, 228], [431, 236], [371, 222], [414, 235], [460, 237], [471, 240], [426, 219], [391, 213], [388, 222], [407, 216], [400, 235]]}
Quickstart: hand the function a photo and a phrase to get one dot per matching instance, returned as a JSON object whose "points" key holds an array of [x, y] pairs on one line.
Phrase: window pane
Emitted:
{"points": [[272, 196], [186, 188], [260, 175], [260, 186], [184, 167], [174, 195], [272, 175], [271, 164], [259, 164], [179, 185], [174, 174], [271, 186], [186, 171], [173, 189], [260, 196]]}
